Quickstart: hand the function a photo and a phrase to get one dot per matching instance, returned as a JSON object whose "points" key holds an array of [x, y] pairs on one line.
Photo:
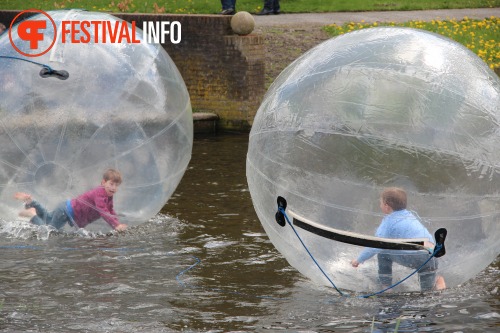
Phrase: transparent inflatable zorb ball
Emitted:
{"points": [[122, 105], [371, 109]]}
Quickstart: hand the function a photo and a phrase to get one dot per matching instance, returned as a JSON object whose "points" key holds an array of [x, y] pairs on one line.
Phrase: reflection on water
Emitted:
{"points": [[205, 265]]}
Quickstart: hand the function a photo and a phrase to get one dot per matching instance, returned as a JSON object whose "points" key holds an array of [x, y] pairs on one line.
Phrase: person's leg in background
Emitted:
{"points": [[228, 7]]}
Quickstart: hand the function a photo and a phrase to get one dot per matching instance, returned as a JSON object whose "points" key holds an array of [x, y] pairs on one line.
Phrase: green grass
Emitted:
{"points": [[480, 36], [214, 6]]}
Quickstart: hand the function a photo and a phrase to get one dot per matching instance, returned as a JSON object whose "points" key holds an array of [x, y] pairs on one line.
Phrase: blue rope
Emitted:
{"points": [[30, 61], [37, 248], [22, 247], [181, 273], [436, 250], [309, 252]]}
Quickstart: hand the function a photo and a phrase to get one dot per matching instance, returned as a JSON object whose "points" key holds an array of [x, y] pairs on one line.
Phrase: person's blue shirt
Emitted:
{"points": [[398, 224]]}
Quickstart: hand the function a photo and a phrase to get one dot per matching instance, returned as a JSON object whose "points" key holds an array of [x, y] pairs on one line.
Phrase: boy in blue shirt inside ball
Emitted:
{"points": [[401, 223]]}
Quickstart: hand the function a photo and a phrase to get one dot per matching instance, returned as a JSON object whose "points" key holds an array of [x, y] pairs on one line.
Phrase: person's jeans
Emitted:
{"points": [[426, 275], [228, 4], [57, 218]]}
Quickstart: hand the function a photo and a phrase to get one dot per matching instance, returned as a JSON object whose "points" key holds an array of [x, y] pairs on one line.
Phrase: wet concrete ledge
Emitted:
{"points": [[205, 123]]}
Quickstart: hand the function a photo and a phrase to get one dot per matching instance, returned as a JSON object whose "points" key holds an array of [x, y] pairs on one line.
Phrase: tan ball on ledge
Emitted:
{"points": [[242, 23]]}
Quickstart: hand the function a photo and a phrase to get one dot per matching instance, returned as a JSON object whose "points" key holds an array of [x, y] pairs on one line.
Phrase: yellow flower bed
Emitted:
{"points": [[482, 37]]}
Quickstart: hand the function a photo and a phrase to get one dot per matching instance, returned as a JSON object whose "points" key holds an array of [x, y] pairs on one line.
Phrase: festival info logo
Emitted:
{"points": [[34, 37]]}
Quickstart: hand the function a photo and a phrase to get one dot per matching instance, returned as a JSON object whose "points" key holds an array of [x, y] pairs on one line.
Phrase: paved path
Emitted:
{"points": [[370, 17]]}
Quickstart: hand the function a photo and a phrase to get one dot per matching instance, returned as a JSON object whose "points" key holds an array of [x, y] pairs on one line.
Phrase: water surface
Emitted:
{"points": [[205, 265]]}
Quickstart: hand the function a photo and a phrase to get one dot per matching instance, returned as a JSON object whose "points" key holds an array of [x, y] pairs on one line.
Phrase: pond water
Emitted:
{"points": [[205, 265]]}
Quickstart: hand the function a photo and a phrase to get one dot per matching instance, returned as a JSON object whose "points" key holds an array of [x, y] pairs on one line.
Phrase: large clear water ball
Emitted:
{"points": [[123, 106], [371, 109]]}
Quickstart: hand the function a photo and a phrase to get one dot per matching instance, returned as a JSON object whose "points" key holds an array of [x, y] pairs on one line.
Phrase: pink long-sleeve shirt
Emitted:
{"points": [[93, 205]]}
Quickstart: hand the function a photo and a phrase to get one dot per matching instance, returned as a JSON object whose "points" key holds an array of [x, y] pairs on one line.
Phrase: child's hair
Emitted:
{"points": [[394, 197], [113, 175]]}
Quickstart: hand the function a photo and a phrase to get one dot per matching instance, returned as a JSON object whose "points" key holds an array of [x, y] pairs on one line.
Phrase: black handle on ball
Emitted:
{"points": [[280, 217], [48, 72], [440, 236]]}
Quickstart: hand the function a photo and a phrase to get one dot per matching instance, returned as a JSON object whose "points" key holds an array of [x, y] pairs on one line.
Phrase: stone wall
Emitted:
{"points": [[224, 72]]}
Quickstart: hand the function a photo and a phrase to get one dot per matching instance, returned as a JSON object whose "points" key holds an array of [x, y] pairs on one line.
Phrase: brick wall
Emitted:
{"points": [[224, 72]]}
